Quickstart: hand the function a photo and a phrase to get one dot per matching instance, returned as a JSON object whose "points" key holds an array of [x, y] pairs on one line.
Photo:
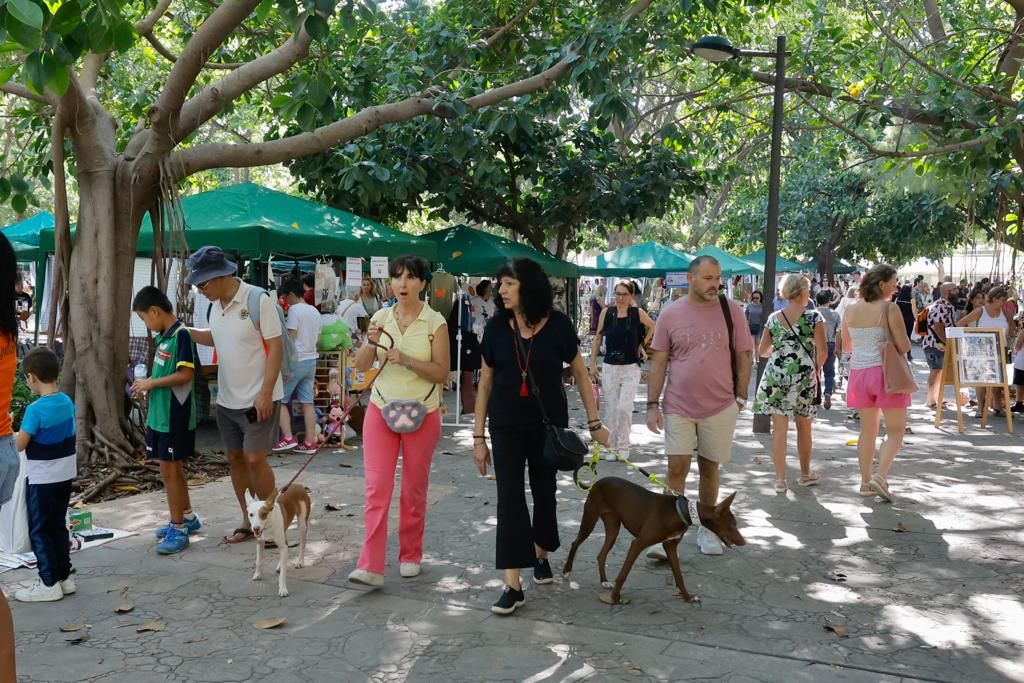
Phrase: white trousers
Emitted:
{"points": [[619, 384]]}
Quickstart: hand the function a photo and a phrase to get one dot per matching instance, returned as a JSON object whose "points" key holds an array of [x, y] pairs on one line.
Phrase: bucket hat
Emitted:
{"points": [[207, 263]]}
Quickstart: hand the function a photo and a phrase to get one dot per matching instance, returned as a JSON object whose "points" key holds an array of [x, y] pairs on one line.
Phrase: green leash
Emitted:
{"points": [[586, 475]]}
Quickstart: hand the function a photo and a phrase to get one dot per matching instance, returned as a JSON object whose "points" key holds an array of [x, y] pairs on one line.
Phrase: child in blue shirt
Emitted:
{"points": [[48, 438]]}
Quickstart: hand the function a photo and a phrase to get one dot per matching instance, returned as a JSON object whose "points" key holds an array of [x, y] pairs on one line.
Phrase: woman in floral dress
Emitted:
{"points": [[794, 343]]}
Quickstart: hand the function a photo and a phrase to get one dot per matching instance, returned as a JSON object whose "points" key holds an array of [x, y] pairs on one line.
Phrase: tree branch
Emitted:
{"points": [[212, 99], [497, 35], [934, 20], [901, 109], [896, 154], [91, 67], [188, 161], [210, 35], [145, 27], [986, 93], [19, 90]]}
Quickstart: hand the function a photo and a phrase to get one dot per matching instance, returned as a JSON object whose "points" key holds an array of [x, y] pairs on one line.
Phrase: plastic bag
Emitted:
{"points": [[14, 516], [333, 336]]}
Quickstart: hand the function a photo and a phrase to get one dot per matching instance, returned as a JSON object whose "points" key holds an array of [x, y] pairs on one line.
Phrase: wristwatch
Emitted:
{"points": [[742, 400]]}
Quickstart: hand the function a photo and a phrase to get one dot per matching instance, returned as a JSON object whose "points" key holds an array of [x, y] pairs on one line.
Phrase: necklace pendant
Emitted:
{"points": [[523, 391]]}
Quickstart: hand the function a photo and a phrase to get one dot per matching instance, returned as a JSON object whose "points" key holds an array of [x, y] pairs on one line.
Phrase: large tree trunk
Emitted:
{"points": [[99, 285]]}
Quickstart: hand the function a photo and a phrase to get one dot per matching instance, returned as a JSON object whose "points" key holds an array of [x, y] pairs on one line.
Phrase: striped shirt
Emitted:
{"points": [[50, 420]]}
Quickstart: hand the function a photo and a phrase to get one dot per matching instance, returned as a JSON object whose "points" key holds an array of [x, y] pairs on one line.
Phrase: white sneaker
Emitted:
{"points": [[40, 592], [366, 578], [657, 553], [409, 569], [67, 586], [708, 542], [608, 456]]}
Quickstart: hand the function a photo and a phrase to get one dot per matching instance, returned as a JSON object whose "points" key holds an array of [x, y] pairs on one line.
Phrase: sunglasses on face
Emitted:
{"points": [[621, 293]]}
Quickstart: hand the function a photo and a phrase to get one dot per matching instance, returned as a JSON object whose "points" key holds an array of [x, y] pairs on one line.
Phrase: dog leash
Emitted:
{"points": [[591, 467], [353, 404]]}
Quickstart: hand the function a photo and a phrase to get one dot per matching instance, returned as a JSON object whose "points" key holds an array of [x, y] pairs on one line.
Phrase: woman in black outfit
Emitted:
{"points": [[626, 331], [548, 341], [905, 300]]}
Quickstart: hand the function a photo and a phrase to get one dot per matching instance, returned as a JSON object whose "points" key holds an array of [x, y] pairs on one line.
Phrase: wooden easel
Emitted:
{"points": [[951, 376]]}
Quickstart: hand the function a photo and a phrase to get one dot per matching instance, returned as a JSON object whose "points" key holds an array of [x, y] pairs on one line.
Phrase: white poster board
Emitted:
{"points": [[379, 267], [675, 280], [353, 272]]}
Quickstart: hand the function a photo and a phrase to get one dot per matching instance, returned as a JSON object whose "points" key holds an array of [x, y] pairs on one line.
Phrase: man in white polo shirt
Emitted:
{"points": [[249, 387]]}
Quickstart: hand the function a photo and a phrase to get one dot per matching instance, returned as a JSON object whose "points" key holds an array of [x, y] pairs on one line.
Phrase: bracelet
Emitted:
{"points": [[651, 404], [597, 428], [479, 436], [596, 419]]}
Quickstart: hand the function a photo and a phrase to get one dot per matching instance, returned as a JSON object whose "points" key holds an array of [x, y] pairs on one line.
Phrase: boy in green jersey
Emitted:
{"points": [[171, 420]]}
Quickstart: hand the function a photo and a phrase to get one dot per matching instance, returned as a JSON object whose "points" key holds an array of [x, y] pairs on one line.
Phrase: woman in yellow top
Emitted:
{"points": [[403, 414]]}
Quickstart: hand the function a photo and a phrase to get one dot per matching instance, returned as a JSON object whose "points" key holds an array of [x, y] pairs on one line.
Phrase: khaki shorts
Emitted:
{"points": [[711, 436], [238, 434]]}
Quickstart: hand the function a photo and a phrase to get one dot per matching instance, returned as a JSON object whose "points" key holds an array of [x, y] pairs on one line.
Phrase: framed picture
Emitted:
{"points": [[980, 357]]}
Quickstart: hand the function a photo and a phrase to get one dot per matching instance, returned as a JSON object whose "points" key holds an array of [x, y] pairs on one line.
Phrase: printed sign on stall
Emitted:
{"points": [[353, 271], [379, 267]]}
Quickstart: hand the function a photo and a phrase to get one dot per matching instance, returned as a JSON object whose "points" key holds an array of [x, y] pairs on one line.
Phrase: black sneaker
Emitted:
{"points": [[508, 602], [1017, 408], [542, 571]]}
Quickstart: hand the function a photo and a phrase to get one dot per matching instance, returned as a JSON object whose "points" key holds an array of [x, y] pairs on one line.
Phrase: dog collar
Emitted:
{"points": [[687, 513], [691, 507]]}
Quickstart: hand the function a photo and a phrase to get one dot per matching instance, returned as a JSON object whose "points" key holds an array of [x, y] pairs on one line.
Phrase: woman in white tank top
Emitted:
{"points": [[863, 329], [991, 316]]}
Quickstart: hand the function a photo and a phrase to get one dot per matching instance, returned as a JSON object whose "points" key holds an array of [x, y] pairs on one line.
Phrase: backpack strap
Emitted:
{"points": [[252, 301], [732, 349]]}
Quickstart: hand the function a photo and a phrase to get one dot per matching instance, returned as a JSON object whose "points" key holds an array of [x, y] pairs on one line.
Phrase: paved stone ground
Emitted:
{"points": [[941, 601]]}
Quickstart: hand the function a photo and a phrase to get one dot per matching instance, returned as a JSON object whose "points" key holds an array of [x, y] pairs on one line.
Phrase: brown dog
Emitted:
{"points": [[651, 518]]}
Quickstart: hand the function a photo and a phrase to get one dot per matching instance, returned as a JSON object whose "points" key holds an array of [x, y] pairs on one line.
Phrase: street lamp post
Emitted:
{"points": [[719, 49]]}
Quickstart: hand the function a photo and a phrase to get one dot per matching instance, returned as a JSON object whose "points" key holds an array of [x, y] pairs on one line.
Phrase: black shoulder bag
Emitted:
{"points": [[564, 449]]}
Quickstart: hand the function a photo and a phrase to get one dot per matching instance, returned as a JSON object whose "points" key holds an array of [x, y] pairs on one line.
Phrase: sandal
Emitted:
{"points": [[812, 479], [239, 535], [881, 487], [865, 490], [780, 485]]}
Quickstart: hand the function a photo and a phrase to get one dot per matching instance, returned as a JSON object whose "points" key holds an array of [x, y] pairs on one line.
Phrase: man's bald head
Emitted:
{"points": [[947, 289]]}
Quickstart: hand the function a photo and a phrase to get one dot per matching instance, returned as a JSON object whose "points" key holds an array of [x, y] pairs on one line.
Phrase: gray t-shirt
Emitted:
{"points": [[831, 323]]}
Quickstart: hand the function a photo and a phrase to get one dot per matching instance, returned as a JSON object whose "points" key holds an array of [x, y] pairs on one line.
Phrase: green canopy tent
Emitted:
{"points": [[468, 251], [27, 231], [782, 265], [839, 267], [647, 259], [731, 265], [25, 252], [256, 222]]}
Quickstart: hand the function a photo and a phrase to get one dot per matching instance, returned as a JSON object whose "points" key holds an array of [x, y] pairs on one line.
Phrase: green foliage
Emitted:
{"points": [[20, 399], [543, 180]]}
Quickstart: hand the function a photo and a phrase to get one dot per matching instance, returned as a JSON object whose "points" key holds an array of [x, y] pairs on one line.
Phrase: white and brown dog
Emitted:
{"points": [[270, 519]]}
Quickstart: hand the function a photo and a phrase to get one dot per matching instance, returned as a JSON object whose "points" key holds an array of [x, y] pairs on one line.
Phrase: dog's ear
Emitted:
{"points": [[248, 498], [273, 499], [727, 503]]}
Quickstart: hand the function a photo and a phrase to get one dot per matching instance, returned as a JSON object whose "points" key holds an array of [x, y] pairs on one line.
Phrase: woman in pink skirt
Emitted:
{"points": [[864, 328]]}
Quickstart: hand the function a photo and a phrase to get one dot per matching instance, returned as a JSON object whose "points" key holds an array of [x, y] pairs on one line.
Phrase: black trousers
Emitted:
{"points": [[47, 527], [513, 449]]}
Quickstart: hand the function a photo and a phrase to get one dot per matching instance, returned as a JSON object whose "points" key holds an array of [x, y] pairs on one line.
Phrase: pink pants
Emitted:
{"points": [[380, 457]]}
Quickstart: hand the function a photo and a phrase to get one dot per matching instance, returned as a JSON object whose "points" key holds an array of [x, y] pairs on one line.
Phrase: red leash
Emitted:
{"points": [[353, 404]]}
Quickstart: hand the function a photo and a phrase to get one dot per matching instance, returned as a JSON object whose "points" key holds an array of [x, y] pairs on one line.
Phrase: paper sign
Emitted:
{"points": [[353, 272], [379, 266], [954, 333], [675, 280]]}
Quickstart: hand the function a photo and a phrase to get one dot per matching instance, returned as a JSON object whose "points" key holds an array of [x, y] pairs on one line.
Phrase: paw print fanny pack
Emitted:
{"points": [[404, 415]]}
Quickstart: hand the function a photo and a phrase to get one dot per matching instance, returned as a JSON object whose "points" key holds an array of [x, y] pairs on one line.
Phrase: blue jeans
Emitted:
{"points": [[830, 369], [47, 507]]}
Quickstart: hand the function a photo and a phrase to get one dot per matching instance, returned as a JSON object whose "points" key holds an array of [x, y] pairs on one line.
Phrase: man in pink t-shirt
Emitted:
{"points": [[703, 397]]}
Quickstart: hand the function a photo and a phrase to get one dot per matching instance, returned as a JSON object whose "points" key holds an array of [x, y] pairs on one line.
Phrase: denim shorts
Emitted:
{"points": [[934, 357], [299, 386], [10, 468]]}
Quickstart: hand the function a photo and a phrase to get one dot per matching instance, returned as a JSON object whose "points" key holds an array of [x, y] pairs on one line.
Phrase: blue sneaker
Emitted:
{"points": [[175, 541], [191, 526]]}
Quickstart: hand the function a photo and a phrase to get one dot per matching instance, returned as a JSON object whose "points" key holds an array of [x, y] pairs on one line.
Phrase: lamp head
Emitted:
{"points": [[715, 49]]}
